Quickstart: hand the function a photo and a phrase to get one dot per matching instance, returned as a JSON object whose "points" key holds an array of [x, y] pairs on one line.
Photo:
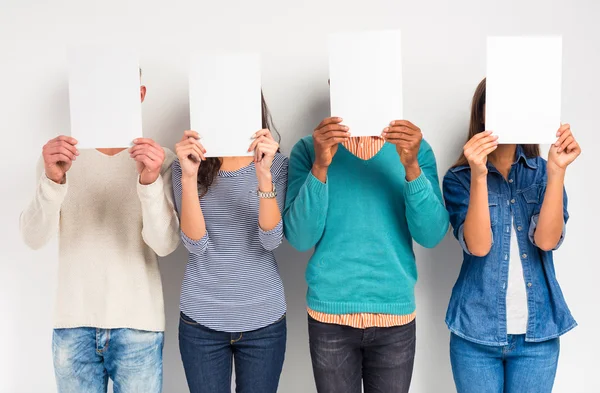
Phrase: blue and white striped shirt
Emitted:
{"points": [[232, 282]]}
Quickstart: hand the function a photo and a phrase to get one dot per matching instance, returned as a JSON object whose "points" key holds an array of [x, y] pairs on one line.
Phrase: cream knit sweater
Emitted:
{"points": [[110, 229]]}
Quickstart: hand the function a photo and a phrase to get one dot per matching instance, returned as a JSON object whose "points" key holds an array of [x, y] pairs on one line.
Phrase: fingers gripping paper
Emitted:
{"points": [[225, 102], [523, 88], [365, 71], [104, 96]]}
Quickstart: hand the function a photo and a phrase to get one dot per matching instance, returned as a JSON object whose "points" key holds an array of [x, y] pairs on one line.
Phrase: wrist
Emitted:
{"points": [[320, 172], [188, 180], [60, 180], [555, 170], [480, 180], [413, 171], [265, 182]]}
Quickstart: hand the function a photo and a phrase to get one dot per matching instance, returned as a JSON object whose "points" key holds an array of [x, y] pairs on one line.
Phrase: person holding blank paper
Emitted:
{"points": [[360, 202], [113, 211], [508, 209], [232, 299]]}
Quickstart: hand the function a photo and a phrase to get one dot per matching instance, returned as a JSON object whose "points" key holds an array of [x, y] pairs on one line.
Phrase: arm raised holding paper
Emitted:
{"points": [[426, 214], [190, 154], [549, 230]]}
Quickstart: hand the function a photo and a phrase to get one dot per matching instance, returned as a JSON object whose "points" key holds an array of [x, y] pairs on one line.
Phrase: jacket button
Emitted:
{"points": [[512, 201], [519, 228], [510, 180], [529, 284], [524, 256]]}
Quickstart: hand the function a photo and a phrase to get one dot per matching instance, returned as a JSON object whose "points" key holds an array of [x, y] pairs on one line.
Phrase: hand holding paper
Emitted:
{"points": [[326, 137], [190, 153], [564, 151], [59, 154], [407, 138], [149, 157], [477, 150]]}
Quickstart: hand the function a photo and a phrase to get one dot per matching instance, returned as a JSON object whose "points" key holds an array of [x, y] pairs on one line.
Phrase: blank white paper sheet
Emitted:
{"points": [[365, 71], [104, 96], [523, 92], [225, 103]]}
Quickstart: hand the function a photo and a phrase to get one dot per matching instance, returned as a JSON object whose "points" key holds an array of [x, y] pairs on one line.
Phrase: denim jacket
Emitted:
{"points": [[477, 309]]}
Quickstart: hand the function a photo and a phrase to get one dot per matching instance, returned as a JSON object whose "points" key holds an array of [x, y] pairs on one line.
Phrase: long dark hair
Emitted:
{"points": [[209, 169], [477, 124]]}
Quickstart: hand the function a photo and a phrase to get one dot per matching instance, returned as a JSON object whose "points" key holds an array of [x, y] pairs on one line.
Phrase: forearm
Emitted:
{"points": [[192, 219], [306, 212], [551, 221], [477, 225], [160, 223], [426, 214], [40, 219], [320, 172], [269, 214]]}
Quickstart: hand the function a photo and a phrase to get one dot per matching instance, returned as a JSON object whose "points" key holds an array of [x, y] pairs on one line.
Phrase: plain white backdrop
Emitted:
{"points": [[443, 60]]}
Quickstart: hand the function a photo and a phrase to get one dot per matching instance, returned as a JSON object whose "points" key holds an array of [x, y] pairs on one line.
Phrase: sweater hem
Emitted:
{"points": [[354, 308]]}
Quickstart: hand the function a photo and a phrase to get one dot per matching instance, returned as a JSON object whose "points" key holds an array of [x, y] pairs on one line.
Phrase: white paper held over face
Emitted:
{"points": [[365, 70], [523, 88], [104, 96], [225, 101]]}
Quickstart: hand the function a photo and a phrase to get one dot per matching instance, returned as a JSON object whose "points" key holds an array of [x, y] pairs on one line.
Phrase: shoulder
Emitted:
{"points": [[425, 149], [280, 165], [458, 175], [303, 148]]}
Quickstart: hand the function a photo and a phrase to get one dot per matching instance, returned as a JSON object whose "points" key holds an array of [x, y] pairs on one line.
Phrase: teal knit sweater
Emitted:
{"points": [[362, 222]]}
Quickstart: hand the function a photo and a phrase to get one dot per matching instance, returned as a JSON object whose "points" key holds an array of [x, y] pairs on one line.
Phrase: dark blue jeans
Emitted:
{"points": [[382, 357], [208, 355]]}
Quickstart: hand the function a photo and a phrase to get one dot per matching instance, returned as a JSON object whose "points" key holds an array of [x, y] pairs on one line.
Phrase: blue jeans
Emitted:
{"points": [[84, 359], [344, 358], [207, 357], [518, 367]]}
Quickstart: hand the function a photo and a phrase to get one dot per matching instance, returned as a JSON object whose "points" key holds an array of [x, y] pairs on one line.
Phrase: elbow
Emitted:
{"points": [[546, 243], [165, 251], [33, 244], [434, 237], [480, 252], [298, 244], [546, 246], [31, 241]]}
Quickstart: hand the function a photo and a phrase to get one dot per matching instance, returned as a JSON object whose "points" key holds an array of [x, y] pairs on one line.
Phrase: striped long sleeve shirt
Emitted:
{"points": [[232, 282]]}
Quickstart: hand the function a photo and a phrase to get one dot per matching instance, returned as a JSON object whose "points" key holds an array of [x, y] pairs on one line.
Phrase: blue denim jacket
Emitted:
{"points": [[477, 309]]}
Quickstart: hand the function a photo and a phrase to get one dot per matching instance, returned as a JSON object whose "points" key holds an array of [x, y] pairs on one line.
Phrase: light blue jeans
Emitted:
{"points": [[84, 359], [518, 367]]}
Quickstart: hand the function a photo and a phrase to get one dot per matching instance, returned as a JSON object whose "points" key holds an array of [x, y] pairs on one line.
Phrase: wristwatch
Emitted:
{"points": [[267, 195]]}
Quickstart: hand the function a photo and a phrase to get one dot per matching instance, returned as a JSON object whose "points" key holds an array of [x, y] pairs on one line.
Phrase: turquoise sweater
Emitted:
{"points": [[362, 222]]}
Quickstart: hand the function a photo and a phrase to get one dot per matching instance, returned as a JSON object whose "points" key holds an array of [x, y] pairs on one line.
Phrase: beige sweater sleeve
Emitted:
{"points": [[160, 222], [39, 221]]}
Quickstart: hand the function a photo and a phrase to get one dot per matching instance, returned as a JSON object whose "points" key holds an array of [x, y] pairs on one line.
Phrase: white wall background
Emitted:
{"points": [[444, 59]]}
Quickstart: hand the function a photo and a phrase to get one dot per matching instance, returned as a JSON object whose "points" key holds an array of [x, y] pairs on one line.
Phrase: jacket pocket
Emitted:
{"points": [[533, 197]]}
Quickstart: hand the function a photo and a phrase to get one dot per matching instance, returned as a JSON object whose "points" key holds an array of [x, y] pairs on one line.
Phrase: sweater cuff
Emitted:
{"points": [[152, 191], [315, 185], [53, 193], [419, 184]]}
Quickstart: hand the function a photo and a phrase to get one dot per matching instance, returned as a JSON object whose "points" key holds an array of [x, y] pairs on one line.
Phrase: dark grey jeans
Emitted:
{"points": [[342, 356]]}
